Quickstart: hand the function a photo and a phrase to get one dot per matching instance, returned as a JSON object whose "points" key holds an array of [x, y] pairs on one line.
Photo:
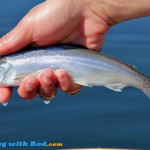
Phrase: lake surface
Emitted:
{"points": [[96, 117]]}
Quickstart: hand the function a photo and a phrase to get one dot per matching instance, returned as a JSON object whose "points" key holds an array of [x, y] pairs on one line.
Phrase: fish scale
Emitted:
{"points": [[86, 67]]}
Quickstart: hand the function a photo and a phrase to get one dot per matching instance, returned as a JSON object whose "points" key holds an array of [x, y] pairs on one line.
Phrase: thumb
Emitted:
{"points": [[18, 38]]}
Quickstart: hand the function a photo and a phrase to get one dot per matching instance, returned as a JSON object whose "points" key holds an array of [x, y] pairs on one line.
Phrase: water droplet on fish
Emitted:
{"points": [[5, 104], [47, 102]]}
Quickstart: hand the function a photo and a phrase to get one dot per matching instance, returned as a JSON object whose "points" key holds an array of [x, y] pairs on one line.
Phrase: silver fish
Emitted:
{"points": [[86, 67]]}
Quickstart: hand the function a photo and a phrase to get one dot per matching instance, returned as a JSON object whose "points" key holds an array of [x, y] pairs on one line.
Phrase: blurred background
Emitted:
{"points": [[96, 117]]}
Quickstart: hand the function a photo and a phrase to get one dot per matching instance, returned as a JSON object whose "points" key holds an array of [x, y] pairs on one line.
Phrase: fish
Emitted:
{"points": [[86, 67]]}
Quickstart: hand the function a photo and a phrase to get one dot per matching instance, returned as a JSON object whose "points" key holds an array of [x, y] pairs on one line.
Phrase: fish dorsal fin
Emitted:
{"points": [[135, 67], [116, 87]]}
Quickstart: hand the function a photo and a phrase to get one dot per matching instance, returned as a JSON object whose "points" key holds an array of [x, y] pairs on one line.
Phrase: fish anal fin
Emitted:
{"points": [[116, 87], [83, 83]]}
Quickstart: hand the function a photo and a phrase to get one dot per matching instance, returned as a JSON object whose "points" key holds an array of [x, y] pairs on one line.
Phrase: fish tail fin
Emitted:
{"points": [[147, 89]]}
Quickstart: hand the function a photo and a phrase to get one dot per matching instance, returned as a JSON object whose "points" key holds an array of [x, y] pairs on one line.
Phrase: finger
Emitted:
{"points": [[47, 89], [65, 82], [18, 38], [5, 94], [28, 87]]}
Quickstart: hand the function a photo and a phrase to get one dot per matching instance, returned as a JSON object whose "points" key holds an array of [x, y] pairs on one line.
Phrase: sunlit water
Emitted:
{"points": [[97, 117]]}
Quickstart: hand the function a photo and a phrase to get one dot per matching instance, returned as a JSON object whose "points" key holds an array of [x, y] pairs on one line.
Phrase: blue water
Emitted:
{"points": [[97, 117]]}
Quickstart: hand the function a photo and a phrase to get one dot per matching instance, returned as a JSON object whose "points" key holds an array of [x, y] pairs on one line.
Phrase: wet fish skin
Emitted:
{"points": [[86, 67]]}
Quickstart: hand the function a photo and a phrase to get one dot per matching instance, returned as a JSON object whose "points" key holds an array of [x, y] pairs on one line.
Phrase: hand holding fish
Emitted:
{"points": [[51, 22], [63, 21]]}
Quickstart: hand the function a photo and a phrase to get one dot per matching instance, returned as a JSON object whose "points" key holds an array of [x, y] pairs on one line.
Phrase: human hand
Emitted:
{"points": [[53, 21]]}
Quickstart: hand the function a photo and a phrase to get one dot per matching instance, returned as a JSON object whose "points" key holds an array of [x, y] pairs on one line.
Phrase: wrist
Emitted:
{"points": [[116, 11], [126, 10]]}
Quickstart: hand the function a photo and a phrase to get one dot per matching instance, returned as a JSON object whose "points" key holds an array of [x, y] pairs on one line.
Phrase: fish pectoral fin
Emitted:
{"points": [[21, 76], [116, 87]]}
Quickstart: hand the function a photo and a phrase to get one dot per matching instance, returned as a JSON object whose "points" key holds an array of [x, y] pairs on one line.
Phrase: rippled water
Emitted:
{"points": [[97, 117]]}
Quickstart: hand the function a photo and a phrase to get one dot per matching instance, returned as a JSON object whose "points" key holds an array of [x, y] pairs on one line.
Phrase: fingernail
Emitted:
{"points": [[47, 79], [30, 85]]}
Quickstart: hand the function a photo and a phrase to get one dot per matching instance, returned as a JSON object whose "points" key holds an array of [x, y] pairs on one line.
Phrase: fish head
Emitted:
{"points": [[6, 71]]}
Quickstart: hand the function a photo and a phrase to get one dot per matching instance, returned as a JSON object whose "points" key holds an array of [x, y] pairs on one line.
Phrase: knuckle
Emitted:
{"points": [[47, 80], [48, 71]]}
